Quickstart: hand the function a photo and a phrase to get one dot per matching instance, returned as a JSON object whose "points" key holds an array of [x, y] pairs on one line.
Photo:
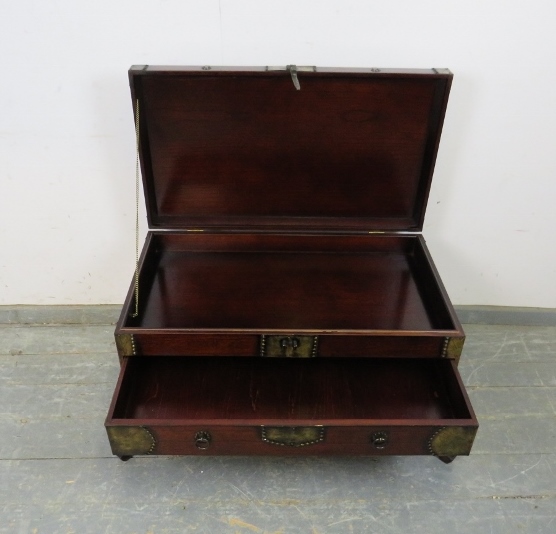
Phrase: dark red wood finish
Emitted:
{"points": [[216, 293], [353, 149], [231, 399], [277, 211]]}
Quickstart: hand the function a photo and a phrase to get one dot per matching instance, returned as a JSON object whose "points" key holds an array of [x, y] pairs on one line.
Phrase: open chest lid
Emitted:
{"points": [[290, 148]]}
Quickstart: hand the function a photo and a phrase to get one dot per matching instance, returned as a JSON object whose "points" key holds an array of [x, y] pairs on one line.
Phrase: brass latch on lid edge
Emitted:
{"points": [[293, 70]]}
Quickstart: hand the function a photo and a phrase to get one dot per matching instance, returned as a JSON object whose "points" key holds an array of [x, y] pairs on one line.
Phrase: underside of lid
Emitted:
{"points": [[302, 150]]}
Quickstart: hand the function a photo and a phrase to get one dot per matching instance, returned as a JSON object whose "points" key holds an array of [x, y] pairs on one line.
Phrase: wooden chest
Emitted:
{"points": [[287, 302]]}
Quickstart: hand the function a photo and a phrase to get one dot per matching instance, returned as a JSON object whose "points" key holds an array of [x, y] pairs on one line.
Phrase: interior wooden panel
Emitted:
{"points": [[248, 149], [286, 283], [259, 389]]}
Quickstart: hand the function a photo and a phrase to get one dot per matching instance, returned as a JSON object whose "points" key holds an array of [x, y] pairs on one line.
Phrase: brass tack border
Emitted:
{"points": [[431, 439], [315, 347], [153, 446], [445, 347]]}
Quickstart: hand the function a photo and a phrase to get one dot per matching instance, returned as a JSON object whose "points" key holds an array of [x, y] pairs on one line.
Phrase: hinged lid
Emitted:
{"points": [[290, 148]]}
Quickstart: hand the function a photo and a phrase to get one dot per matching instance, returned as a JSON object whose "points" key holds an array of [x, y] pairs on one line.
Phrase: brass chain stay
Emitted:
{"points": [[136, 312]]}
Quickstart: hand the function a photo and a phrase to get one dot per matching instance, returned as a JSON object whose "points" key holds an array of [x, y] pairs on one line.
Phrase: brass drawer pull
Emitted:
{"points": [[202, 440], [379, 440], [298, 436]]}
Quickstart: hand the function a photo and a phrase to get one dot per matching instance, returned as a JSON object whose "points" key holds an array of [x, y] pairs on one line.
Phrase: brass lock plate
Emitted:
{"points": [[288, 346]]}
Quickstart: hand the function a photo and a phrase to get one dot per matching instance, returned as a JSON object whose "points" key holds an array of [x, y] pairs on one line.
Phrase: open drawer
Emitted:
{"points": [[235, 406]]}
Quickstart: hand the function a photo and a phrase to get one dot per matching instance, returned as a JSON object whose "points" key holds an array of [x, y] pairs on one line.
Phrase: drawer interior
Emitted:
{"points": [[285, 391]]}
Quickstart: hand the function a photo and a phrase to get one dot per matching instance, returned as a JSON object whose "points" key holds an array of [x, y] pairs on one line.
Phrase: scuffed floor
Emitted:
{"points": [[57, 474]]}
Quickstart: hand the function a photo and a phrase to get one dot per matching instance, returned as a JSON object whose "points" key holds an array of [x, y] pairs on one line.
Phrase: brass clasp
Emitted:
{"points": [[293, 71]]}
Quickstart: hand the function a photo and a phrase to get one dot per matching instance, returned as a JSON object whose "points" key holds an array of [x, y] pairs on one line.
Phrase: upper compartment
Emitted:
{"points": [[353, 149]]}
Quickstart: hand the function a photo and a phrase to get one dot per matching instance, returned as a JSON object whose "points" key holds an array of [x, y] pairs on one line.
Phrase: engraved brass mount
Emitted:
{"points": [[288, 346], [453, 347], [131, 440], [299, 436], [126, 345], [448, 442]]}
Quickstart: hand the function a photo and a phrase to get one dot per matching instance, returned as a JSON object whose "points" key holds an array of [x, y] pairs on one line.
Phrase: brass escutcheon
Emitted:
{"points": [[298, 436], [288, 346]]}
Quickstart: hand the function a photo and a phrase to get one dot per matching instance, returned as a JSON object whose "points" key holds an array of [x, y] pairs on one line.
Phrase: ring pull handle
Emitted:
{"points": [[379, 440], [202, 440]]}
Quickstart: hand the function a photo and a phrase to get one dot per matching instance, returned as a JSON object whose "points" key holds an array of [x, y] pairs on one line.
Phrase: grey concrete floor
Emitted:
{"points": [[57, 473]]}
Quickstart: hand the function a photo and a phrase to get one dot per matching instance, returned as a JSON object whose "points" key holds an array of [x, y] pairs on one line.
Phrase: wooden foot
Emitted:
{"points": [[125, 458], [446, 459]]}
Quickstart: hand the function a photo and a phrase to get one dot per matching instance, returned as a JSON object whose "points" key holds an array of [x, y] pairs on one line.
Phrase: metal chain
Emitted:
{"points": [[136, 313]]}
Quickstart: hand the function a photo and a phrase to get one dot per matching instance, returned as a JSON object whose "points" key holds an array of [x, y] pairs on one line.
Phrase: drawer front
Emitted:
{"points": [[249, 345], [451, 440]]}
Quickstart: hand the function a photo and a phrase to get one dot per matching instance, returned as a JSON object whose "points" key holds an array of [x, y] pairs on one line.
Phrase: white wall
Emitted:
{"points": [[67, 140]]}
